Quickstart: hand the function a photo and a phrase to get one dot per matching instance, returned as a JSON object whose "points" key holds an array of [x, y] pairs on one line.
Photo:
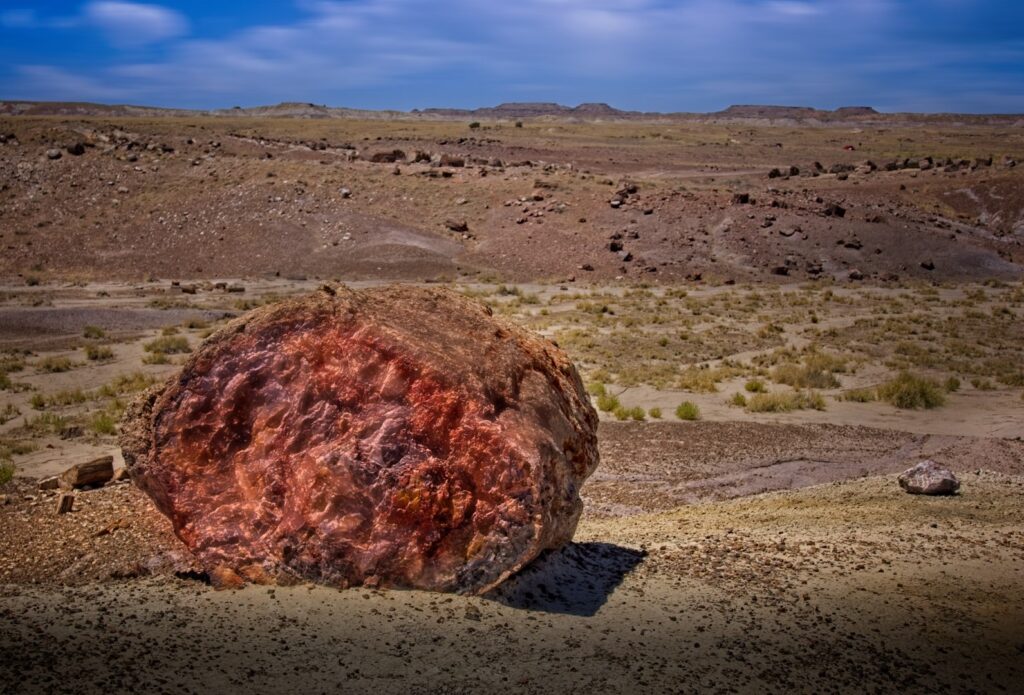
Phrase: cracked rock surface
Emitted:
{"points": [[393, 437]]}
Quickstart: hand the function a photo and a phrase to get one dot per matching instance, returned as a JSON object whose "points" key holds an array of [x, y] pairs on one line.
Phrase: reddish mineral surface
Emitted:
{"points": [[387, 437]]}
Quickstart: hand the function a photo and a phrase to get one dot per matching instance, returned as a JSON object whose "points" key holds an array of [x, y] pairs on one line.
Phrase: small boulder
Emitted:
{"points": [[929, 478], [53, 154]]}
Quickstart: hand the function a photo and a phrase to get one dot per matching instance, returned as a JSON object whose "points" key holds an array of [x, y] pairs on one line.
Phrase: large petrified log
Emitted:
{"points": [[388, 437]]}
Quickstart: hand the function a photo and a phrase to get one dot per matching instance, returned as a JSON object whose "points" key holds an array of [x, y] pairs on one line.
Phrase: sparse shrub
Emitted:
{"points": [[738, 399], [169, 330], [31, 281], [596, 388], [607, 403], [126, 383], [155, 358], [11, 362], [982, 384], [94, 332], [624, 413], [38, 401], [6, 472], [5, 382], [8, 413], [47, 423], [688, 410], [655, 413], [865, 395], [54, 365], [103, 423], [952, 384], [909, 391], [812, 400], [196, 324], [804, 377], [785, 402], [474, 125], [705, 380], [168, 344], [71, 397], [98, 353], [755, 386]]}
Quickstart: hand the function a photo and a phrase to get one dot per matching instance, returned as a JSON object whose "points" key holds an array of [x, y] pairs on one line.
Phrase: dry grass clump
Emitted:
{"points": [[910, 391], [636, 413], [9, 412], [804, 376], [53, 365], [94, 332], [688, 410], [103, 423], [785, 402], [126, 383], [168, 345], [607, 403], [705, 380], [6, 472], [864, 395], [738, 400], [755, 386], [98, 353]]}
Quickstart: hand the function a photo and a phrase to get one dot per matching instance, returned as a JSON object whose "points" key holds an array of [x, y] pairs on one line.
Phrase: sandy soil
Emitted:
{"points": [[745, 552], [846, 586], [195, 197]]}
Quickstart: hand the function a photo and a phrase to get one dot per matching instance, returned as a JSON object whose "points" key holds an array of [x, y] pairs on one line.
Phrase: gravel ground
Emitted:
{"points": [[839, 586]]}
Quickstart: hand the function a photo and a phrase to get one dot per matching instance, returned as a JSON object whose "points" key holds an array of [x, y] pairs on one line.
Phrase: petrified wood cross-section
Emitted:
{"points": [[387, 437]]}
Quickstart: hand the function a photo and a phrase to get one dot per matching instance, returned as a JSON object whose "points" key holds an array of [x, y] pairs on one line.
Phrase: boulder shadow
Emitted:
{"points": [[574, 580]]}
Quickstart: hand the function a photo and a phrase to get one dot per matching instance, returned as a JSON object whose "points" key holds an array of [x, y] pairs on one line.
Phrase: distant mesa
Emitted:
{"points": [[851, 111], [591, 111], [772, 111]]}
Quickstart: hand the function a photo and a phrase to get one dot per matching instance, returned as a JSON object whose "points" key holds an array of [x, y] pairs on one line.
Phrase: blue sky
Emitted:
{"points": [[655, 55]]}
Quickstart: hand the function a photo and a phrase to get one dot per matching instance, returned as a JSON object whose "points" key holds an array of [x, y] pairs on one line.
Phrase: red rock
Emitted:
{"points": [[394, 437]]}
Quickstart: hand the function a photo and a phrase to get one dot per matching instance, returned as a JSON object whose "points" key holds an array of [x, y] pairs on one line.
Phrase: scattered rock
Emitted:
{"points": [[53, 154], [457, 225], [65, 503], [91, 473], [389, 157], [835, 210], [49, 483], [929, 478]]}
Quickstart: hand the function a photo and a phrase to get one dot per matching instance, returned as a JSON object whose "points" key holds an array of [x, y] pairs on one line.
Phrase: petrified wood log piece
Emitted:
{"points": [[394, 436]]}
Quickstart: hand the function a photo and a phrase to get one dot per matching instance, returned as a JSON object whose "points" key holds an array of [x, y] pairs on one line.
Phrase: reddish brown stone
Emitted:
{"points": [[393, 437]]}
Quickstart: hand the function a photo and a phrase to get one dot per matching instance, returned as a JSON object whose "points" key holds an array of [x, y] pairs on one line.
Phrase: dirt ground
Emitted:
{"points": [[351, 199], [764, 546], [848, 586]]}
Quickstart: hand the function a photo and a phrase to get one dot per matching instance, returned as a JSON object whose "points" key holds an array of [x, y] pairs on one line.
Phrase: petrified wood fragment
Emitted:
{"points": [[388, 437]]}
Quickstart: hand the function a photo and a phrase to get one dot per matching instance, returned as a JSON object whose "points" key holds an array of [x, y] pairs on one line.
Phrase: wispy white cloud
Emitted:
{"points": [[649, 54], [130, 24]]}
